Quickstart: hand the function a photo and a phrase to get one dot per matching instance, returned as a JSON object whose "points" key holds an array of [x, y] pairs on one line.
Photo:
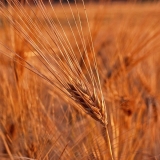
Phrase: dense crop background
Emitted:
{"points": [[38, 121]]}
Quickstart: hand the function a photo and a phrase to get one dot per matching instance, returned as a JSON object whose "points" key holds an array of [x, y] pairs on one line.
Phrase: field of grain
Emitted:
{"points": [[80, 84]]}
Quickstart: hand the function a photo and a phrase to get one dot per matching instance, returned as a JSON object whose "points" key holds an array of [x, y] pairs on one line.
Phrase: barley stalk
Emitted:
{"points": [[66, 73]]}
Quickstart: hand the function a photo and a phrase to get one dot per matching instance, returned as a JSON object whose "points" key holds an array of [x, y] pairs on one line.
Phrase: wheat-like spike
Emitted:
{"points": [[91, 105]]}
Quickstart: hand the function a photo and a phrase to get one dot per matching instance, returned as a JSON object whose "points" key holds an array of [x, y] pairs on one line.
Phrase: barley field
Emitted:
{"points": [[79, 80]]}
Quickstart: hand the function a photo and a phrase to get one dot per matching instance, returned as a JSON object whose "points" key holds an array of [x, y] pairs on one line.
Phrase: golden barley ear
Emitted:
{"points": [[88, 103], [62, 64]]}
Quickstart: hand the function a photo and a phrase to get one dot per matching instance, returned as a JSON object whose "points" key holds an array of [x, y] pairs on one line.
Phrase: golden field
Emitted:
{"points": [[79, 85]]}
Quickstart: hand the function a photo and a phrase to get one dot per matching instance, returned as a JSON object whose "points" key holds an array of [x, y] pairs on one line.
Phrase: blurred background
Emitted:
{"points": [[38, 122]]}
